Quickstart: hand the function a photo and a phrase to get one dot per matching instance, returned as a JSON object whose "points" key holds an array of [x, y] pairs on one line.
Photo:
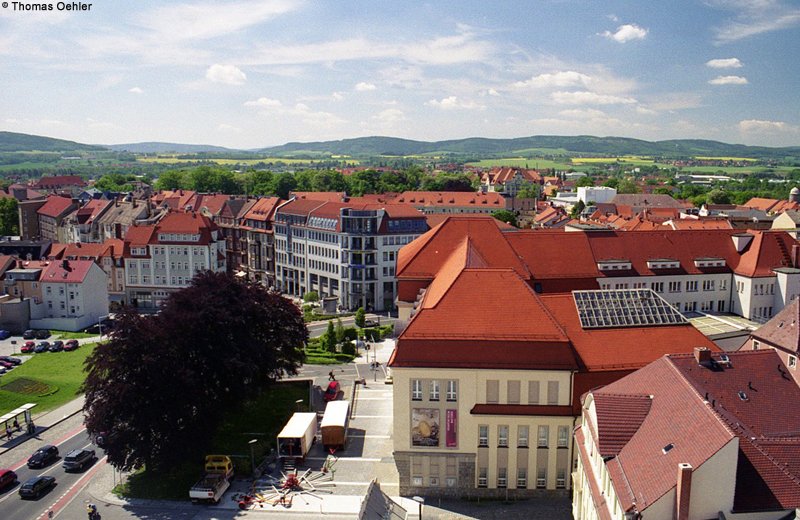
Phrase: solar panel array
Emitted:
{"points": [[624, 308]]}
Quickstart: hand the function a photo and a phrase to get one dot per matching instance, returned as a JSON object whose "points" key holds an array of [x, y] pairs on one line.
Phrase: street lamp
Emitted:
{"points": [[252, 444], [100, 324], [419, 500], [297, 404]]}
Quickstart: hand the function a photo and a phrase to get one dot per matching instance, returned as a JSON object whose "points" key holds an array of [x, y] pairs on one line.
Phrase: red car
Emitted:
{"points": [[332, 392], [27, 347], [71, 345]]}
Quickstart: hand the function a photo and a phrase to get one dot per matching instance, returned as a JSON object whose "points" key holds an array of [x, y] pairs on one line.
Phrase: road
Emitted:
{"points": [[318, 329], [67, 484]]}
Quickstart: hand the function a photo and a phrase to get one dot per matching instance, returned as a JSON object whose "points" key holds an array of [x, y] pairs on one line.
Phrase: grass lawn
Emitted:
{"points": [[63, 334], [260, 419], [49, 379]]}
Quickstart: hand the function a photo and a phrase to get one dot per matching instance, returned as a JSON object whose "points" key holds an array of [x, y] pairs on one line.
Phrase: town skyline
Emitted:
{"points": [[253, 74]]}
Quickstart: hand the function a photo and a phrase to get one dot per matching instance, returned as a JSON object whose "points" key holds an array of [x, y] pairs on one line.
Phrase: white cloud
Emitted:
{"points": [[589, 98], [565, 78], [583, 113], [761, 126], [227, 74], [626, 33], [210, 19], [454, 103], [135, 90], [492, 92], [729, 80], [225, 127], [263, 102], [390, 115], [364, 86], [724, 63], [753, 18], [645, 111]]}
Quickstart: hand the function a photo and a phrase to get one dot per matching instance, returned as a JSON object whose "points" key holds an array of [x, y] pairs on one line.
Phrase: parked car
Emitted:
{"points": [[27, 347], [35, 487], [71, 344], [43, 456], [42, 346], [42, 334], [13, 360], [57, 346], [5, 334], [78, 460], [7, 478], [6, 364], [29, 334]]}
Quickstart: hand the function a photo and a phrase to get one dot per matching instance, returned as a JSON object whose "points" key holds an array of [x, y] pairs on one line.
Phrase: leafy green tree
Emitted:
{"points": [[529, 191], [340, 334], [363, 181], [9, 217], [311, 296], [283, 184], [222, 341], [171, 180], [577, 209], [584, 181], [504, 215], [328, 180], [718, 196], [114, 182], [627, 186], [259, 183], [330, 338], [361, 317]]}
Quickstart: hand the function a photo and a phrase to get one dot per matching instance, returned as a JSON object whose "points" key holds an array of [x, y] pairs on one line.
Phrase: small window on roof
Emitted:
{"points": [[666, 449], [742, 395]]}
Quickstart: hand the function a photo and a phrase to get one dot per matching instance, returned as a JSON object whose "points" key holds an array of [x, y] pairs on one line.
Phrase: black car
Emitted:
{"points": [[43, 456], [13, 360], [42, 346], [42, 334], [78, 460], [57, 346], [29, 334], [36, 486]]}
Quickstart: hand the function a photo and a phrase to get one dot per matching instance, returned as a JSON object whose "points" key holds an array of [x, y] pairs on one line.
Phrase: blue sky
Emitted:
{"points": [[248, 74]]}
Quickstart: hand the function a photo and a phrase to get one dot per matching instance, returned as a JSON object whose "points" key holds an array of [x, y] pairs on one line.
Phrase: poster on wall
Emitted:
{"points": [[450, 428], [424, 427]]}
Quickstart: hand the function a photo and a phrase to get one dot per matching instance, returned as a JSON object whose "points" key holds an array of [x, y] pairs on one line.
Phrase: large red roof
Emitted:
{"points": [[66, 271], [58, 181], [55, 206]]}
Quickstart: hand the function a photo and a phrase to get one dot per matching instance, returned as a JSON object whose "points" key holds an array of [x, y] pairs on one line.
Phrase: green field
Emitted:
{"points": [[532, 162], [49, 379], [627, 159], [260, 419], [168, 159]]}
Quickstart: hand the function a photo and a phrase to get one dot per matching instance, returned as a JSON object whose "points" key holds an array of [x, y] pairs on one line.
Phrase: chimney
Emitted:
{"points": [[65, 264], [683, 492], [702, 355], [795, 254]]}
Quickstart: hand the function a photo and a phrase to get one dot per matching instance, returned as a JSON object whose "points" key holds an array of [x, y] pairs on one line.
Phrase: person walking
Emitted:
{"points": [[331, 377]]}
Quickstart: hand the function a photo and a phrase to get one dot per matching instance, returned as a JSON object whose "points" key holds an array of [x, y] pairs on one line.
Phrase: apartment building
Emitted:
{"points": [[69, 185], [229, 219], [52, 214], [258, 235], [691, 436], [164, 257], [488, 374], [782, 334], [109, 256], [74, 296], [121, 216], [343, 250], [753, 274], [80, 226]]}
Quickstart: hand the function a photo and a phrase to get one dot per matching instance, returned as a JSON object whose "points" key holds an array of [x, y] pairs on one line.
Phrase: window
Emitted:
{"points": [[416, 481], [450, 482], [483, 477], [522, 436], [501, 477], [756, 344], [552, 392], [792, 361], [544, 433], [657, 287], [674, 286], [502, 436], [483, 435], [561, 478], [533, 392], [434, 390], [416, 390], [434, 481], [522, 478], [563, 436], [691, 286], [492, 391], [452, 390], [541, 478], [723, 285], [708, 285], [512, 392]]}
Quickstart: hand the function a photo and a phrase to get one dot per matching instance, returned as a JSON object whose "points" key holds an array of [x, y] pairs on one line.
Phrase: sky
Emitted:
{"points": [[248, 74]]}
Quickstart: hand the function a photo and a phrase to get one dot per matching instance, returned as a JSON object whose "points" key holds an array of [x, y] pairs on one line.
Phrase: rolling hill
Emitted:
{"points": [[14, 142], [159, 147]]}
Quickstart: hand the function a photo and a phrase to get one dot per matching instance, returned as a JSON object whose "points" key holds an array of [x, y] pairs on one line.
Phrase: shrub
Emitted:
{"points": [[349, 348], [311, 296]]}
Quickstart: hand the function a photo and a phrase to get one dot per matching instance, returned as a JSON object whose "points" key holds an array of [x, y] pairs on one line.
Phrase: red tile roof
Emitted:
{"points": [[92, 209], [698, 410], [74, 271], [55, 206], [264, 209], [212, 202], [618, 419], [58, 181], [452, 198], [783, 330]]}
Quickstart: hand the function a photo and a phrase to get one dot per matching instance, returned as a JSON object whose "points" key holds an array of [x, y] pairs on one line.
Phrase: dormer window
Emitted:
{"points": [[614, 265], [663, 263], [709, 262]]}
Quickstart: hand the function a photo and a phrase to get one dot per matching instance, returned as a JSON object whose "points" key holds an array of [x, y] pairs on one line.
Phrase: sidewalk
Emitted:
{"points": [[44, 422]]}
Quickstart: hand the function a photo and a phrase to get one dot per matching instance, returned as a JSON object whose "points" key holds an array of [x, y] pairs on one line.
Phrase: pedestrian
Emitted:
{"points": [[331, 377], [16, 424], [8, 433]]}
